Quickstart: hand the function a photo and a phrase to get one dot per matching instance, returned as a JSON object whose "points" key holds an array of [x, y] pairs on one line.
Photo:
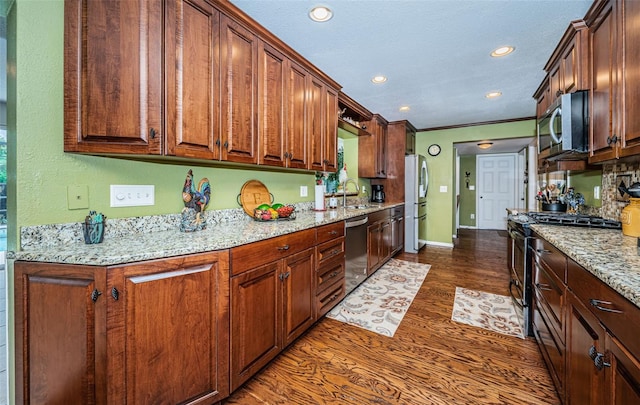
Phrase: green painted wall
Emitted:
{"points": [[584, 182], [441, 205], [467, 196]]}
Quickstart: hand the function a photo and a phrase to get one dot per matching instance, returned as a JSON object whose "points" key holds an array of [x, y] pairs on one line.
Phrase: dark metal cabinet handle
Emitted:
{"points": [[283, 248], [333, 233], [612, 139], [115, 294], [543, 287], [598, 305], [95, 294], [332, 275], [598, 358], [152, 133], [545, 251], [226, 144], [217, 142]]}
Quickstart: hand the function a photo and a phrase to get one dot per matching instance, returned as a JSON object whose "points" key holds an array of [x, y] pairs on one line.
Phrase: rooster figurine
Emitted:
{"points": [[343, 176], [195, 200]]}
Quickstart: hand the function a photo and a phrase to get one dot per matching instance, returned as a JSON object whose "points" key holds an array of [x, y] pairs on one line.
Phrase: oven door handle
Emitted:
{"points": [[516, 235], [513, 297]]}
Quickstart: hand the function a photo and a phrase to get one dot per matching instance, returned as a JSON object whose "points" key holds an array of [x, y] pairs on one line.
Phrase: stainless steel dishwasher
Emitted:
{"points": [[355, 251]]}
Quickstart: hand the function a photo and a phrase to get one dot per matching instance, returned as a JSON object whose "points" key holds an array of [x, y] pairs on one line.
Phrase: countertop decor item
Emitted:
{"points": [[253, 194], [93, 228], [195, 200]]}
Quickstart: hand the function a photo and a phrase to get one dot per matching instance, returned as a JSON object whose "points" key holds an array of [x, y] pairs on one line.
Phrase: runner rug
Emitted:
{"points": [[380, 302], [488, 311]]}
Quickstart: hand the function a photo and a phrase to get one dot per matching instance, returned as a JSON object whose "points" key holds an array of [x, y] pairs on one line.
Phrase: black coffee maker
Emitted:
{"points": [[378, 193]]}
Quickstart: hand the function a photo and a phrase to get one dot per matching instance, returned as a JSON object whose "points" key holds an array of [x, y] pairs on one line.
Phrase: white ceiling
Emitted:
{"points": [[435, 53]]}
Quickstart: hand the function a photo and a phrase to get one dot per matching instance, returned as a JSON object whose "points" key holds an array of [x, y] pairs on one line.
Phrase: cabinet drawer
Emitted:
{"points": [[329, 250], [328, 299], [329, 232], [619, 315], [252, 255], [553, 259], [549, 292], [328, 274]]}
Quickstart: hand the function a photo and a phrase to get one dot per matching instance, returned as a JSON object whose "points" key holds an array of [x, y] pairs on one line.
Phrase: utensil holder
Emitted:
{"points": [[93, 233]]}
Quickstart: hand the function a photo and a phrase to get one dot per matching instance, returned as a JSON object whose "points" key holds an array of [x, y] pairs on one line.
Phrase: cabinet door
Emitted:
{"points": [[298, 277], [374, 241], [331, 136], [193, 75], [113, 76], [630, 86], [623, 374], [602, 126], [60, 342], [555, 81], [297, 115], [387, 240], [168, 330], [585, 340], [256, 321], [238, 60], [570, 67], [316, 125], [272, 74]]}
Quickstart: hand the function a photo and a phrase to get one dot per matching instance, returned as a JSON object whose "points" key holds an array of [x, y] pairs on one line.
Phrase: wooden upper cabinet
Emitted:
{"points": [[371, 149], [192, 65], [272, 93], [239, 64], [614, 32], [323, 127], [113, 76], [296, 140]]}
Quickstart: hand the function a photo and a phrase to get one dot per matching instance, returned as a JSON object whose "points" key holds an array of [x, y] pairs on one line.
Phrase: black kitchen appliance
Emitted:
{"points": [[378, 193], [519, 255]]}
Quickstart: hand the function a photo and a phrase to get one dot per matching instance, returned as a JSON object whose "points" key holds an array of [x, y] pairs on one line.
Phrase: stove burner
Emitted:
{"points": [[554, 218]]}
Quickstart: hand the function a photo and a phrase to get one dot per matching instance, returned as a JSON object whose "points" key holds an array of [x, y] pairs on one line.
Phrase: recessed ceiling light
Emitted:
{"points": [[502, 51], [379, 79], [405, 108], [493, 94], [485, 145], [320, 13]]}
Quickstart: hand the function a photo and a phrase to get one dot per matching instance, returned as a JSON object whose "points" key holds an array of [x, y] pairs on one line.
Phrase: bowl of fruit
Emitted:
{"points": [[266, 212]]}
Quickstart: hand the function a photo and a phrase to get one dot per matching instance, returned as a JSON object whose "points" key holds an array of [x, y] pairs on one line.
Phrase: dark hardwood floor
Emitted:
{"points": [[430, 360]]}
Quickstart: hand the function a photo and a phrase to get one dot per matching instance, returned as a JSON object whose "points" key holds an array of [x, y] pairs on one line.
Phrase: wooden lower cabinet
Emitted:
{"points": [[397, 229], [379, 240], [271, 305], [143, 333], [587, 332]]}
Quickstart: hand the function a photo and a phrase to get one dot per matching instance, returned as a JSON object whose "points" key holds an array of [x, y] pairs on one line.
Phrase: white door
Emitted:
{"points": [[496, 189]]}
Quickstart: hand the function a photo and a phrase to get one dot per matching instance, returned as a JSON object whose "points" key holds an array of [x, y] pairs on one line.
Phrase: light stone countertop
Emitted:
{"points": [[606, 253], [167, 243]]}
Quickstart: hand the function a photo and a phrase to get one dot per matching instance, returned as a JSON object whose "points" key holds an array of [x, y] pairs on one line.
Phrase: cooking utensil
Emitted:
{"points": [[632, 191]]}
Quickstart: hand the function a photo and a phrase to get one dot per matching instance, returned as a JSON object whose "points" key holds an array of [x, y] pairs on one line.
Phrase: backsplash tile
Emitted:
{"points": [[611, 207]]}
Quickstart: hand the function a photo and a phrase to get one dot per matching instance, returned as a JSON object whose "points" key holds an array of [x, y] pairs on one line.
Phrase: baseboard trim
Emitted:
{"points": [[441, 244], [467, 227]]}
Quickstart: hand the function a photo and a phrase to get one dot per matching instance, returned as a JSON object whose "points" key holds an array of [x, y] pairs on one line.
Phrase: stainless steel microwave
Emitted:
{"points": [[564, 128]]}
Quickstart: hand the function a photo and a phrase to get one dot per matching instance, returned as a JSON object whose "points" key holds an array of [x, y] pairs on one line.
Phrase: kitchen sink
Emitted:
{"points": [[360, 207]]}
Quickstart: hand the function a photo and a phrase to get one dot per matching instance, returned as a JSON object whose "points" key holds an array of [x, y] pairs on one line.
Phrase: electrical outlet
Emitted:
{"points": [[78, 197], [132, 195], [473, 216], [443, 189], [304, 191]]}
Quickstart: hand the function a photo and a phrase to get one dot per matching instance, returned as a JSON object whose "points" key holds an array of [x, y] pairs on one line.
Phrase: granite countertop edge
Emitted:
{"points": [[606, 253], [169, 243]]}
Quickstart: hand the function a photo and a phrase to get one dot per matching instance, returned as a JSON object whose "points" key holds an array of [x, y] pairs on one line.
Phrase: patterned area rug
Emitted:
{"points": [[379, 304], [489, 311]]}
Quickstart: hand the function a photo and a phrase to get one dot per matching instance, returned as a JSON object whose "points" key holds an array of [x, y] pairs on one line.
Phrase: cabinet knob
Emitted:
{"points": [[115, 293], [283, 248], [598, 358], [218, 142], [152, 133], [226, 144], [612, 139], [95, 294]]}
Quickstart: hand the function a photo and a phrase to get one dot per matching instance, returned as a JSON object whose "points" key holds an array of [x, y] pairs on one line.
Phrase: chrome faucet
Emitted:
{"points": [[344, 191]]}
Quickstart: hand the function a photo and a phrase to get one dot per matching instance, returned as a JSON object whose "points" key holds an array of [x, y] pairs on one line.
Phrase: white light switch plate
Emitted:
{"points": [[443, 189], [304, 191], [129, 195]]}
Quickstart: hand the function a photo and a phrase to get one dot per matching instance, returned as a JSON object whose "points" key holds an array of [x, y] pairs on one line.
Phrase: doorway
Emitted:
{"points": [[497, 187]]}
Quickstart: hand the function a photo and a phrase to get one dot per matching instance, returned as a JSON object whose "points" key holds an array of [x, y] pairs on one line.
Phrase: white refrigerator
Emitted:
{"points": [[416, 182]]}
